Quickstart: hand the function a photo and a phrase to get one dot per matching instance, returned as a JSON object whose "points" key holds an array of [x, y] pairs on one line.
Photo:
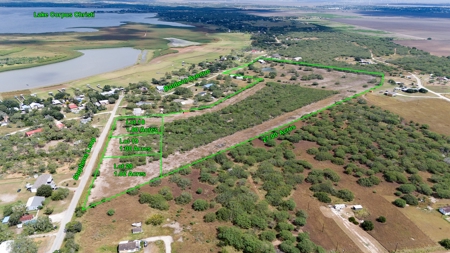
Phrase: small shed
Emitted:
{"points": [[207, 86], [137, 230], [357, 207], [160, 88], [5, 220]]}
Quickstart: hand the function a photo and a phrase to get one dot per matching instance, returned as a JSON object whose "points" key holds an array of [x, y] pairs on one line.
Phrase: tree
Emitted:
{"points": [[44, 191], [367, 225], [406, 188], [399, 202], [166, 193], [23, 244], [322, 197], [5, 233], [345, 195], [209, 217], [60, 194], [111, 100], [269, 235], [48, 211], [200, 205], [184, 198], [74, 227], [155, 220], [445, 243], [381, 219], [410, 199], [110, 212]]}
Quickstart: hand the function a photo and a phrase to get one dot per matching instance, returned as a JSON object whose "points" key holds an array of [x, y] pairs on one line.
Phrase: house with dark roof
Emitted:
{"points": [[129, 246], [445, 210], [137, 230]]}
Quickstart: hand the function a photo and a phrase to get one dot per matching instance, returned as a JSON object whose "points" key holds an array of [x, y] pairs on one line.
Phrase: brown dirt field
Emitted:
{"points": [[424, 112], [400, 230], [435, 47], [406, 27], [100, 230], [332, 236]]}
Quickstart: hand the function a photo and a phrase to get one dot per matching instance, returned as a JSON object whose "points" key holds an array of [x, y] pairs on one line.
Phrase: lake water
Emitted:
{"points": [[21, 20], [92, 62]]}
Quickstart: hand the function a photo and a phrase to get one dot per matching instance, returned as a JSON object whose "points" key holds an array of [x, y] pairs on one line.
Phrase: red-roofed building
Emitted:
{"points": [[26, 218], [59, 124], [30, 133], [72, 106]]}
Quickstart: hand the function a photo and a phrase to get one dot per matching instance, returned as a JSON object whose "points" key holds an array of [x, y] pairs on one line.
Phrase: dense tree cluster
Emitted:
{"points": [[184, 135]]}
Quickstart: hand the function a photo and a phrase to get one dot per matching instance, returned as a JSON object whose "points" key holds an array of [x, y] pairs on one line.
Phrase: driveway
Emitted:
{"points": [[168, 240]]}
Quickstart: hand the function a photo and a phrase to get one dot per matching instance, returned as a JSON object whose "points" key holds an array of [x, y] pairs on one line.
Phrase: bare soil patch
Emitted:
{"points": [[8, 198], [435, 47], [99, 229], [398, 229]]}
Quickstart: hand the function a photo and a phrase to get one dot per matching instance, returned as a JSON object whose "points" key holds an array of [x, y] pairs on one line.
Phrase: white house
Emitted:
{"points": [[36, 106], [297, 58], [34, 202], [261, 61], [56, 102], [445, 210], [41, 180], [138, 111]]}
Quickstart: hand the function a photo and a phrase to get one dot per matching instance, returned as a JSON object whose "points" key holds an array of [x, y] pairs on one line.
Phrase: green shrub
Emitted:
{"points": [[410, 199], [155, 220], [367, 225], [110, 212], [381, 219], [184, 198], [322, 197], [399, 202], [209, 217], [200, 205], [268, 235], [445, 243]]}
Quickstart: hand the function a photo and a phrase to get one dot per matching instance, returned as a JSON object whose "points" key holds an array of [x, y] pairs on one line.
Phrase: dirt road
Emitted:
{"points": [[361, 238], [419, 84], [57, 243], [168, 240]]}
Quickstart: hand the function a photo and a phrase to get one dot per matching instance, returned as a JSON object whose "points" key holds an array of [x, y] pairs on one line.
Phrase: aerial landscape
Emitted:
{"points": [[255, 126]]}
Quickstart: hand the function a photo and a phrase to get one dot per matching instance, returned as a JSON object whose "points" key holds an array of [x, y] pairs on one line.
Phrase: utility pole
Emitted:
{"points": [[396, 247], [323, 226]]}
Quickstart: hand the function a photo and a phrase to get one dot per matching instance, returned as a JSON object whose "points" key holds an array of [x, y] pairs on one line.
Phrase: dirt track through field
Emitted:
{"points": [[362, 239]]}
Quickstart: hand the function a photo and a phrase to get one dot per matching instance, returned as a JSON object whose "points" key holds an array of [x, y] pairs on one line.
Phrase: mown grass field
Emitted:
{"points": [[424, 111]]}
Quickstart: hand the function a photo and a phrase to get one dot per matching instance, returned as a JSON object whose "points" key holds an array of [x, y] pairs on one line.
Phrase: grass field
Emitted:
{"points": [[423, 111]]}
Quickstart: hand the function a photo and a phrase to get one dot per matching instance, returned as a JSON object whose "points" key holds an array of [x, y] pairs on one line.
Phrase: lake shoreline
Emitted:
{"points": [[86, 65]]}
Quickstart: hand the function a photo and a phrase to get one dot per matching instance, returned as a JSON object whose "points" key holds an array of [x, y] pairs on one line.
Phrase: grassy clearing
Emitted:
{"points": [[424, 110]]}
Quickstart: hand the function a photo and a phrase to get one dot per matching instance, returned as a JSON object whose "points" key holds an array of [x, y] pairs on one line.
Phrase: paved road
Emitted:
{"points": [[168, 240], [84, 179]]}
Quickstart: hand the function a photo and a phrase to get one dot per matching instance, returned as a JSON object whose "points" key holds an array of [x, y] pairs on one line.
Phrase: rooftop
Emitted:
{"points": [[129, 245], [42, 179]]}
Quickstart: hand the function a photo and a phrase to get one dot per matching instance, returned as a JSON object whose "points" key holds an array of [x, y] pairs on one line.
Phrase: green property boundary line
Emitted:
{"points": [[110, 136], [227, 72]]}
